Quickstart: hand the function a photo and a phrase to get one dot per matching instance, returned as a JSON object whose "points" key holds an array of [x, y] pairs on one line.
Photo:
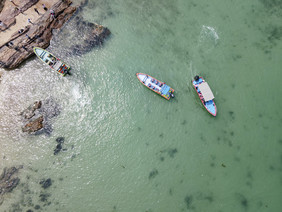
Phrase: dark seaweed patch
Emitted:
{"points": [[250, 175], [44, 197], [46, 183], [236, 57], [270, 4], [57, 149], [37, 207], [188, 200], [153, 174], [260, 115], [209, 198], [212, 164], [231, 113], [184, 122], [275, 34], [243, 201], [161, 135], [170, 192], [249, 184], [271, 168], [172, 152], [29, 210], [60, 140]]}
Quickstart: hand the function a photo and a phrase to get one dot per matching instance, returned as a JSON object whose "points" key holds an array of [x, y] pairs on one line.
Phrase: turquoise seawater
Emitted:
{"points": [[128, 149]]}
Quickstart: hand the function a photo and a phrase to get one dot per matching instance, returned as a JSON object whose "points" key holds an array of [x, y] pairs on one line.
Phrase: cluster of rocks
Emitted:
{"points": [[59, 147], [37, 117], [8, 181]]}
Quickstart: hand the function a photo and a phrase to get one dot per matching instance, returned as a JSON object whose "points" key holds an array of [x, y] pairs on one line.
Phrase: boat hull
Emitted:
{"points": [[52, 61], [155, 85], [209, 105]]}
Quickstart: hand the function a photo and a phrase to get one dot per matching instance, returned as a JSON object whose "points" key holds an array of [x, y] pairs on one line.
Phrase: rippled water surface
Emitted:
{"points": [[127, 149]]}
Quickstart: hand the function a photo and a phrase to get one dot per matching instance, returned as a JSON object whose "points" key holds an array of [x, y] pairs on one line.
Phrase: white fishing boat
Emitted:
{"points": [[52, 61]]}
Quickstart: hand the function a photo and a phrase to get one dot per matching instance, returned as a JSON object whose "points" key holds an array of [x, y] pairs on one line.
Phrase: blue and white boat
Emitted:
{"points": [[205, 94], [155, 85]]}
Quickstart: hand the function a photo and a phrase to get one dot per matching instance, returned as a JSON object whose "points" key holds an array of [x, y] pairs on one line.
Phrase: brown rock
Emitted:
{"points": [[34, 125]]}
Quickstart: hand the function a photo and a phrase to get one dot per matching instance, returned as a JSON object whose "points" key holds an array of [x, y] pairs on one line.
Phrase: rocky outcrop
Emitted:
{"points": [[34, 125], [93, 35], [37, 117], [37, 34], [8, 181]]}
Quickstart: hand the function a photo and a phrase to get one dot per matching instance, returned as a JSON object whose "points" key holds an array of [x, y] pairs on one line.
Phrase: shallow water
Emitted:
{"points": [[127, 149]]}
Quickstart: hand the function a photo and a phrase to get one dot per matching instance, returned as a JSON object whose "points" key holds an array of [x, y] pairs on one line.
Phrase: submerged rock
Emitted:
{"points": [[8, 181], [58, 149], [46, 183], [60, 140], [84, 35]]}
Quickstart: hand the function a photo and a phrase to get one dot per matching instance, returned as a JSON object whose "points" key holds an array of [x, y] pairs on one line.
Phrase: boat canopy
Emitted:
{"points": [[165, 89], [206, 91]]}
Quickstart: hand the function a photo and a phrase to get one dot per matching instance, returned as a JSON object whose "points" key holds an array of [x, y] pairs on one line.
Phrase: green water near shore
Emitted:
{"points": [[127, 149]]}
